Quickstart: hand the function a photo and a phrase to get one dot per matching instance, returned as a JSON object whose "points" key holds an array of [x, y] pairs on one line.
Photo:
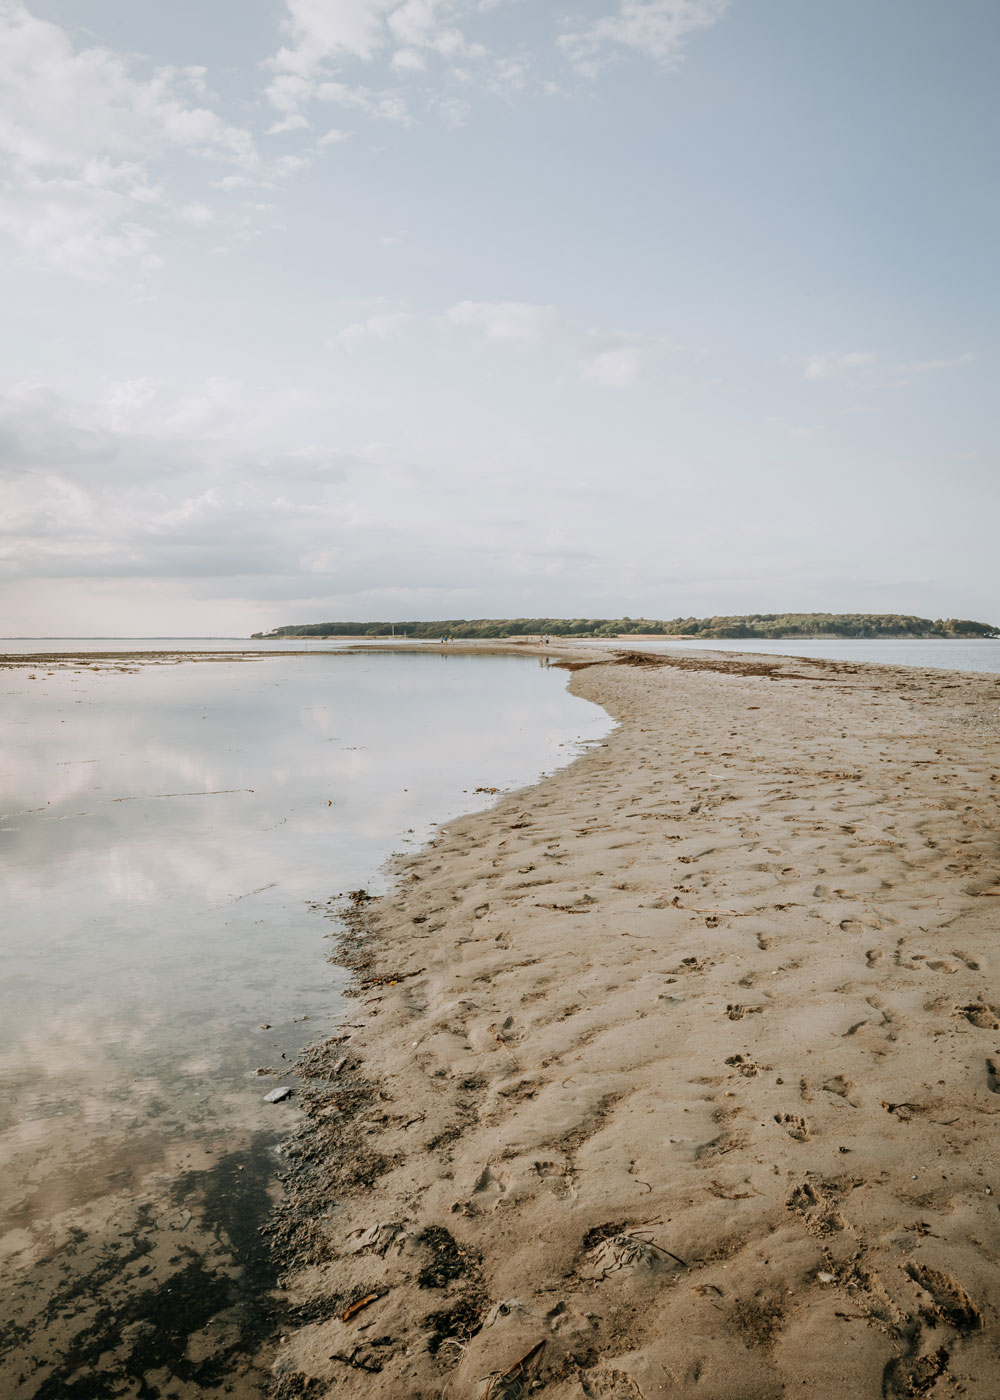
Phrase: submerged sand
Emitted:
{"points": [[679, 1074]]}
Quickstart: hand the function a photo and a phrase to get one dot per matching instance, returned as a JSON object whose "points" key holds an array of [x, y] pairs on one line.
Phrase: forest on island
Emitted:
{"points": [[764, 625]]}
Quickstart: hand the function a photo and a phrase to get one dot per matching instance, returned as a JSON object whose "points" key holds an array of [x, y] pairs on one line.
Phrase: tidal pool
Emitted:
{"points": [[171, 839]]}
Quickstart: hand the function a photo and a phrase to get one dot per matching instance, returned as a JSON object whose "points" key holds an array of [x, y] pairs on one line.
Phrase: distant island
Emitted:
{"points": [[763, 625]]}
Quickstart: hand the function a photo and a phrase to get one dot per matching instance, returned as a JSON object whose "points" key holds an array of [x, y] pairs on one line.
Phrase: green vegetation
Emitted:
{"points": [[752, 625]]}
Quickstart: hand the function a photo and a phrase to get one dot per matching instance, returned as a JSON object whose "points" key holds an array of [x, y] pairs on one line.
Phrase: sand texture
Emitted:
{"points": [[679, 1074]]}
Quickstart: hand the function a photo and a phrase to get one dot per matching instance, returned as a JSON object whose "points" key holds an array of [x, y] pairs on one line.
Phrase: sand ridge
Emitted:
{"points": [[677, 1074]]}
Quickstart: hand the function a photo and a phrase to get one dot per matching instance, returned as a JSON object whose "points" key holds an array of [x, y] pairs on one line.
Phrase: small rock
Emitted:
{"points": [[277, 1095], [825, 1278]]}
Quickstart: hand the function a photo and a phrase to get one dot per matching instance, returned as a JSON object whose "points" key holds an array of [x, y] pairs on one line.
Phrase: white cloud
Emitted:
{"points": [[656, 28], [288, 91], [427, 45], [932, 366], [295, 121], [83, 226], [80, 136], [415, 22], [147, 481], [454, 111], [333, 137], [290, 164], [390, 106], [236, 182], [374, 328], [323, 29], [329, 32], [836, 365], [408, 61], [863, 368], [615, 369], [504, 322], [196, 214]]}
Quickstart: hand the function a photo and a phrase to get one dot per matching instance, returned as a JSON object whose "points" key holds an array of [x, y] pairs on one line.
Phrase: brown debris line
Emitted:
{"points": [[731, 1132], [98, 660], [729, 665]]}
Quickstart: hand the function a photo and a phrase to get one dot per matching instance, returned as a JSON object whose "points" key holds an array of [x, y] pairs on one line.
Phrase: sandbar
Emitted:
{"points": [[678, 1074]]}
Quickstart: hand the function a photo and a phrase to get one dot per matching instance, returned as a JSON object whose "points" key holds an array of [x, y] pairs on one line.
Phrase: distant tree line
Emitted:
{"points": [[764, 625]]}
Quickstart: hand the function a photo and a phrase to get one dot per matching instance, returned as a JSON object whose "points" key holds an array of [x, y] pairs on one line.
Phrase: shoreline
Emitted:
{"points": [[582, 646], [136, 1129], [674, 1074]]}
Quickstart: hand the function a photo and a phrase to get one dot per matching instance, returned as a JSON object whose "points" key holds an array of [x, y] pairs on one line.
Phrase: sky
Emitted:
{"points": [[321, 310]]}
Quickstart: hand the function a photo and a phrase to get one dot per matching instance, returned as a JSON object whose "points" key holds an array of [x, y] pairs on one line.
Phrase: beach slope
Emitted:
{"points": [[677, 1075]]}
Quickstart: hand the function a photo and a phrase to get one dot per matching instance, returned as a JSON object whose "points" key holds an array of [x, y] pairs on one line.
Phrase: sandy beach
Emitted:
{"points": [[678, 1074]]}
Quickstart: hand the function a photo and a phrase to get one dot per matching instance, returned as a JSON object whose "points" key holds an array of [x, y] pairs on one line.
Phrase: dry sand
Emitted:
{"points": [[679, 1074]]}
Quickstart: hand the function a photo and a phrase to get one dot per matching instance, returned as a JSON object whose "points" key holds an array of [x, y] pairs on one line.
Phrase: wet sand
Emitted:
{"points": [[677, 1074]]}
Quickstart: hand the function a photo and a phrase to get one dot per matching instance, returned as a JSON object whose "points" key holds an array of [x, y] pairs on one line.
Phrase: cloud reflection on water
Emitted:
{"points": [[162, 948]]}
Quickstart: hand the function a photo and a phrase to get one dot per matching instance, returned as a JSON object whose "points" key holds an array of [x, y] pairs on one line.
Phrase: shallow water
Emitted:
{"points": [[944, 653], [170, 839], [30, 646]]}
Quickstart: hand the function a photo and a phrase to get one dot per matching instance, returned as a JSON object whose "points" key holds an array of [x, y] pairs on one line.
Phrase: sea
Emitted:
{"points": [[944, 653], [941, 653]]}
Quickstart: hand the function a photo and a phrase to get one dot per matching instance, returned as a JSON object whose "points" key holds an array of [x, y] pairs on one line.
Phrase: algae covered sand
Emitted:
{"points": [[676, 1075]]}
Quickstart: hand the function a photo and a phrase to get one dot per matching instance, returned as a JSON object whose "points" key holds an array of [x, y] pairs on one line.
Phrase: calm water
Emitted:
{"points": [[27, 646], [978, 654], [169, 840]]}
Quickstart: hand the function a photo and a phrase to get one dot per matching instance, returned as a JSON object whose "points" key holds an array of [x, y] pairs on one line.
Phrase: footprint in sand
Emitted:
{"points": [[691, 965], [609, 1385], [992, 1077], [488, 1189], [794, 1126], [745, 1066], [840, 1086], [556, 1177], [951, 1305], [736, 1012], [816, 1209], [979, 1014], [905, 1377]]}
